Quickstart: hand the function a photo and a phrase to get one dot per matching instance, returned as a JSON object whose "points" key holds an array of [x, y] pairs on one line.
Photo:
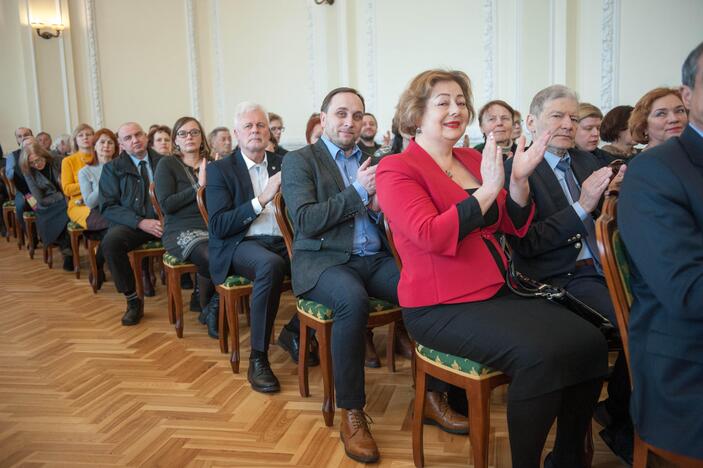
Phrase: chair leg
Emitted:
{"points": [[640, 453], [19, 233], [48, 252], [93, 261], [221, 322], [136, 262], [75, 248], [303, 343], [390, 347], [233, 320], [324, 335], [588, 447], [479, 422], [417, 424], [31, 244]]}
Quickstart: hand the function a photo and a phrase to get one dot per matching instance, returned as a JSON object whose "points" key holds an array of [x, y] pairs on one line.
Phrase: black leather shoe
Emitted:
{"points": [[195, 302], [261, 377], [211, 320], [135, 312], [186, 281], [290, 342], [68, 263], [212, 307]]}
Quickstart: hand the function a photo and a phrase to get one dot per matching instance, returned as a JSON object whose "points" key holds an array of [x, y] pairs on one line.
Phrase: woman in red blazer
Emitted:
{"points": [[445, 206]]}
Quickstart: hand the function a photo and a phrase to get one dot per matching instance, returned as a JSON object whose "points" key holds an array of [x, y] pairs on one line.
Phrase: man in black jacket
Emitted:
{"points": [[125, 203], [560, 245]]}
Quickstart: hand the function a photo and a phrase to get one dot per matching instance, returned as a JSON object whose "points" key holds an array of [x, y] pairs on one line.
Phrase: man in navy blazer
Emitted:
{"points": [[660, 216], [244, 236]]}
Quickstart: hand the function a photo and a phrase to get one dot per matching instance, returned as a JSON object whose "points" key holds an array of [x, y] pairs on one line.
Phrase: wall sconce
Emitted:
{"points": [[47, 31], [322, 2]]}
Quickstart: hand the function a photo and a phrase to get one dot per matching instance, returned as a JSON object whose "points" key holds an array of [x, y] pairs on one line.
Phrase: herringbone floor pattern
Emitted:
{"points": [[78, 389]]}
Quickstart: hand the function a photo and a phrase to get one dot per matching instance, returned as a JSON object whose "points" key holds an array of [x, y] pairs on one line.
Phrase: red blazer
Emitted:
{"points": [[419, 201]]}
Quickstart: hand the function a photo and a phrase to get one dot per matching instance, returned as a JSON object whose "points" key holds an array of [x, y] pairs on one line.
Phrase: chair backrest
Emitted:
{"points": [[155, 203], [8, 183], [614, 261], [200, 198], [284, 222], [391, 244]]}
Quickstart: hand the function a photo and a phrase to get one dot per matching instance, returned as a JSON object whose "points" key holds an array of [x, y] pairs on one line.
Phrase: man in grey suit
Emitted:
{"points": [[340, 257]]}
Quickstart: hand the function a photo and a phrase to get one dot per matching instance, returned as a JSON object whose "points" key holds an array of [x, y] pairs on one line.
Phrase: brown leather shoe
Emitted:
{"points": [[371, 354], [356, 436], [403, 345], [438, 413]]}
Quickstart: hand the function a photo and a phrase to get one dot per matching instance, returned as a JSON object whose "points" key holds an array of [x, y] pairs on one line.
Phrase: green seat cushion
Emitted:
{"points": [[172, 260], [29, 215], [456, 363], [75, 226], [151, 245], [623, 266], [234, 280], [8, 203], [322, 312]]}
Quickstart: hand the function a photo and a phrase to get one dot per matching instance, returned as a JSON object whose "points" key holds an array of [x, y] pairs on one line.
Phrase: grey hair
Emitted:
{"points": [[63, 138], [246, 107], [211, 136], [548, 94], [689, 70]]}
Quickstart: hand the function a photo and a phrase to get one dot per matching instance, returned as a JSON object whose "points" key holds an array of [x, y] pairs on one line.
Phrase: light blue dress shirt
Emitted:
{"points": [[552, 159], [366, 238]]}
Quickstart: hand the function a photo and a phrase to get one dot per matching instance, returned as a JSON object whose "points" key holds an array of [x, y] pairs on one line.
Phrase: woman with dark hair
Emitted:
{"points": [[83, 142], [43, 175], [445, 206], [185, 236], [613, 130], [658, 116], [160, 140]]}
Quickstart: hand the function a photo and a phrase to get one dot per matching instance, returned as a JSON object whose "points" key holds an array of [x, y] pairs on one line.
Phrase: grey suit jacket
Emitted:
{"points": [[322, 210]]}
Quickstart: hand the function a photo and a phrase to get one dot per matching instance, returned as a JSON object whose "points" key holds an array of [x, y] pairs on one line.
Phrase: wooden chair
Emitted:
{"points": [[8, 207], [617, 276], [476, 379], [234, 292], [151, 250], [75, 233], [175, 268], [93, 245], [30, 225], [320, 318]]}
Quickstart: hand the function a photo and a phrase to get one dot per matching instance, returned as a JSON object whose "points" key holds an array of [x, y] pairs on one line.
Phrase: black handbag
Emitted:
{"points": [[527, 287]]}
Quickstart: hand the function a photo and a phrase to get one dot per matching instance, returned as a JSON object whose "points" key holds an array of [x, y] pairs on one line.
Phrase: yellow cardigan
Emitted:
{"points": [[77, 211]]}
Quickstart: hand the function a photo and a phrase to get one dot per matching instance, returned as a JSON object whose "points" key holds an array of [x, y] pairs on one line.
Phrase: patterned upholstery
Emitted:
{"points": [[29, 215], [623, 267], [8, 203], [173, 261], [151, 245], [473, 369], [75, 226], [323, 313], [234, 281]]}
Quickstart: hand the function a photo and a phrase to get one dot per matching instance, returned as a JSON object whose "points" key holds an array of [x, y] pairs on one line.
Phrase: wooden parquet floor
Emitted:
{"points": [[78, 389]]}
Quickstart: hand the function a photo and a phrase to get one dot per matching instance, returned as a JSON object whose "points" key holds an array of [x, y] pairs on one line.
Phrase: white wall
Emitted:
{"points": [[156, 60]]}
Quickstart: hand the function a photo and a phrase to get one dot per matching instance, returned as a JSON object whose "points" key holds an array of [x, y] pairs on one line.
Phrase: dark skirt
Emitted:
{"points": [[52, 221], [542, 346]]}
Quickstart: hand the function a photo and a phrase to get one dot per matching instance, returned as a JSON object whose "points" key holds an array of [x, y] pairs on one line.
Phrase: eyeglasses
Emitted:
{"points": [[183, 133], [278, 129], [36, 162]]}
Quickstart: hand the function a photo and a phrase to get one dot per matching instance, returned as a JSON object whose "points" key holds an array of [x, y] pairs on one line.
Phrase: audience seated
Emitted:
{"points": [[220, 141], [367, 138], [14, 173], [658, 116], [62, 146], [176, 183], [276, 128], [83, 141], [497, 117], [615, 132], [125, 203], [444, 206], [44, 140], [159, 139], [587, 134], [517, 129], [660, 217], [43, 173]]}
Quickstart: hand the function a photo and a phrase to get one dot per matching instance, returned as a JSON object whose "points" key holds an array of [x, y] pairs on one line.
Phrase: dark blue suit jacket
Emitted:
{"points": [[228, 196], [660, 216]]}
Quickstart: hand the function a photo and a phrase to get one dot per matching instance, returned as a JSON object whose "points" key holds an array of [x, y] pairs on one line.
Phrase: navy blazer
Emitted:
{"points": [[228, 196], [660, 216], [554, 240]]}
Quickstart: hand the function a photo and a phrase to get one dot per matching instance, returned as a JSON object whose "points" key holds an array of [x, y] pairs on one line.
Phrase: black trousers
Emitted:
{"points": [[264, 260], [346, 289], [589, 286], [118, 241]]}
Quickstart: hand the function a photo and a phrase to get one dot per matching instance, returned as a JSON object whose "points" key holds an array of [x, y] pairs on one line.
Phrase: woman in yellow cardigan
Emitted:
{"points": [[83, 142]]}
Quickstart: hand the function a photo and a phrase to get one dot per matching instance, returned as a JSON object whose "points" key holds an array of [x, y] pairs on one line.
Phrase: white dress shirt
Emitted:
{"points": [[265, 224]]}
